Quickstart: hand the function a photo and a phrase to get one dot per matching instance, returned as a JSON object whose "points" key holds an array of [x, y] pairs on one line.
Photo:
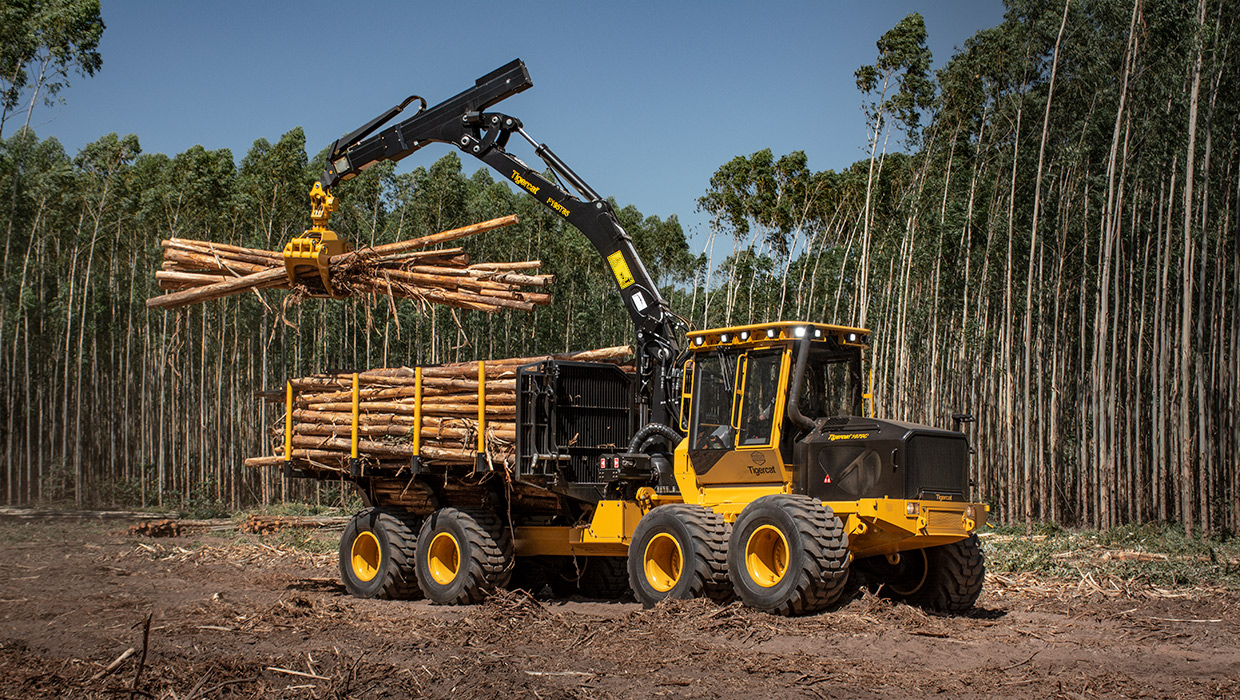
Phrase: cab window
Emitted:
{"points": [[712, 407], [832, 385], [760, 397]]}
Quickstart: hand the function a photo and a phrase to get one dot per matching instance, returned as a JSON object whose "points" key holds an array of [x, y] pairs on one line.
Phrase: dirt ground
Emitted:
{"points": [[244, 617]]}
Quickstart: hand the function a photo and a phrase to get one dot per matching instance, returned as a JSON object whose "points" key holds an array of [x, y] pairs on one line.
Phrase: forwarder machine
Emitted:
{"points": [[732, 462]]}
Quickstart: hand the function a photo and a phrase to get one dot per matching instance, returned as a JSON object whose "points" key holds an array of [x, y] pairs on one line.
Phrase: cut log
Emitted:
{"points": [[388, 421], [258, 280], [199, 271]]}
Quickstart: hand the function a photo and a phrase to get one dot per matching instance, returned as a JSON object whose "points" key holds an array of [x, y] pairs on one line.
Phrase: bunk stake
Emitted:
{"points": [[480, 464], [355, 466]]}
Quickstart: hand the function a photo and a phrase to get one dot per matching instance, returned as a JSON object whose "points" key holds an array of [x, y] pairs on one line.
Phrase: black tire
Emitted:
{"points": [[952, 577], [462, 555], [604, 577], [788, 555], [534, 574], [377, 553], [679, 552]]}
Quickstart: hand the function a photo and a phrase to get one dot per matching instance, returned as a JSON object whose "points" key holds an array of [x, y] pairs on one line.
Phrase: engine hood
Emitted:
{"points": [[848, 458]]}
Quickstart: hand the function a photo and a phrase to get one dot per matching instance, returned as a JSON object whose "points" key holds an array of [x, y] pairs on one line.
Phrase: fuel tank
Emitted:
{"points": [[848, 458]]}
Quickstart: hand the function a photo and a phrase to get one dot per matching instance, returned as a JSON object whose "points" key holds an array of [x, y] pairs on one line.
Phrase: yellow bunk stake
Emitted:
{"points": [[355, 466], [481, 464], [416, 460], [288, 421], [288, 429]]}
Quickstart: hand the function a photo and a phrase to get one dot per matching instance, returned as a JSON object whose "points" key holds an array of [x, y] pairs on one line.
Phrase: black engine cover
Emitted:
{"points": [[845, 459]]}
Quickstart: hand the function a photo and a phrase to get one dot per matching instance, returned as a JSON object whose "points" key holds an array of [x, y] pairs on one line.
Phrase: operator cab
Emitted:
{"points": [[742, 374], [752, 416]]}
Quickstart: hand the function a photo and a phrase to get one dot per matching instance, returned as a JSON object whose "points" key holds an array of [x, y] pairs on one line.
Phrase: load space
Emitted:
{"points": [[725, 463]]}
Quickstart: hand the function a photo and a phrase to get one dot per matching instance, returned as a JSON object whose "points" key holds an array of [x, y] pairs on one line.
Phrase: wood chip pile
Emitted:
{"points": [[323, 414], [198, 271]]}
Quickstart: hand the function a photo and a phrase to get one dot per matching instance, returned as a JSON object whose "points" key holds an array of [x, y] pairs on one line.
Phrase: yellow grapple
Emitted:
{"points": [[306, 257]]}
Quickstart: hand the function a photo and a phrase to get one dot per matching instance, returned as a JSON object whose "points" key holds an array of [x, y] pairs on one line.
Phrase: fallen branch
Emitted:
{"points": [[114, 665], [303, 674]]}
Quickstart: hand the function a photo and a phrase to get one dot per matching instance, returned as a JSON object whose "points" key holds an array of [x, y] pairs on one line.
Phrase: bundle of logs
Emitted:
{"points": [[198, 271], [322, 414]]}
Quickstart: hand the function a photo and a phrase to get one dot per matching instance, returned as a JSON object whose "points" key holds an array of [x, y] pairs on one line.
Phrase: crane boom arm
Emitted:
{"points": [[462, 121]]}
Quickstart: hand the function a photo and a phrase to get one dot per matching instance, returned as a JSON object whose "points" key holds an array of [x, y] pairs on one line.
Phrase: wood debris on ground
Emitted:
{"points": [[323, 414], [255, 524], [258, 524], [199, 271]]}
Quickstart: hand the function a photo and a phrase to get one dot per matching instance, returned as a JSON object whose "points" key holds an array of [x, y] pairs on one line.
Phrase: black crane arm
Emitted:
{"points": [[462, 121]]}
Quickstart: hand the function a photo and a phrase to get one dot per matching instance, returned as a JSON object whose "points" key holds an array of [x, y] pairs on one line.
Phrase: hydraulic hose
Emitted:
{"points": [[637, 444]]}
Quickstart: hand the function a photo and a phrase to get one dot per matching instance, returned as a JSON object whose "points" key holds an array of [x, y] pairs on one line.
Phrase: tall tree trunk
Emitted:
{"points": [[1186, 319]]}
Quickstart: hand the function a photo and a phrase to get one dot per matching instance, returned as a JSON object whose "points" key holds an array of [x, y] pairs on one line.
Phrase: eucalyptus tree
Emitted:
{"points": [[897, 89]]}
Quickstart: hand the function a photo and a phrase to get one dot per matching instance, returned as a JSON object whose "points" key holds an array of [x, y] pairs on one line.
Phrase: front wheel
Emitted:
{"points": [[947, 578], [788, 555], [678, 552]]}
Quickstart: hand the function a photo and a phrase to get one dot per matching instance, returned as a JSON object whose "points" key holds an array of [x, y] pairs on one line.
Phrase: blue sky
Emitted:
{"points": [[645, 100]]}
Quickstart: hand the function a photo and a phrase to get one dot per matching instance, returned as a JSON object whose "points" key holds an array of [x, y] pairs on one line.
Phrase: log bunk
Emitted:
{"points": [[373, 424]]}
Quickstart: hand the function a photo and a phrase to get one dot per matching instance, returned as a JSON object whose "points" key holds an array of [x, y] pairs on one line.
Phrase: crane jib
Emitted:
{"points": [[462, 122]]}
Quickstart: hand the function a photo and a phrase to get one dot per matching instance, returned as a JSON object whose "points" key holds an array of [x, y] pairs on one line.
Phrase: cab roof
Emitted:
{"points": [[762, 333]]}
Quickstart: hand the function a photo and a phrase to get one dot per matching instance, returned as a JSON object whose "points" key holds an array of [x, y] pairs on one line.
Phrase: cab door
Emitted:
{"points": [[736, 415]]}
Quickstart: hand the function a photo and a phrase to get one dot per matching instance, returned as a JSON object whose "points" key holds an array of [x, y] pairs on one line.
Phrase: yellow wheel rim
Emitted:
{"points": [[766, 556], [663, 561], [366, 556], [443, 558]]}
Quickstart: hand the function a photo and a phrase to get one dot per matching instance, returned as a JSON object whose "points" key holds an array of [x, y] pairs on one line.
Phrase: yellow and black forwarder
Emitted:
{"points": [[733, 462]]}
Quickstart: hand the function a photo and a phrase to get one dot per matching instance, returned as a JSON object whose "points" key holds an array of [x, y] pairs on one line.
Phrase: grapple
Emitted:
{"points": [[307, 257]]}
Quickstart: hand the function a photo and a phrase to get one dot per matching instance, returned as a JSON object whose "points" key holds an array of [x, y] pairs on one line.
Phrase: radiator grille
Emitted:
{"points": [[937, 464], [944, 521], [572, 413]]}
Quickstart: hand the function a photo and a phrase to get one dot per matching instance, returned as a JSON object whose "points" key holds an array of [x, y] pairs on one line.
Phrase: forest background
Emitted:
{"points": [[1043, 235]]}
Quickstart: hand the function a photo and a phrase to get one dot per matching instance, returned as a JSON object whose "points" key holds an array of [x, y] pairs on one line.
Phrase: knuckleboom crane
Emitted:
{"points": [[742, 464], [464, 122]]}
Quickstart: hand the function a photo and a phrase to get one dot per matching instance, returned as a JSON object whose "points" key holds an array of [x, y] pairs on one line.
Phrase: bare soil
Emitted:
{"points": [[244, 617]]}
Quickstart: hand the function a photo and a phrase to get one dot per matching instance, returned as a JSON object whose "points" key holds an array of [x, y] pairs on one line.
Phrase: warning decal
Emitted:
{"points": [[620, 268]]}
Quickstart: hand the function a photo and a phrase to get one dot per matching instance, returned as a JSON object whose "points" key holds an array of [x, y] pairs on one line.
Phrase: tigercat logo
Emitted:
{"points": [[557, 206], [516, 177], [759, 471], [849, 436]]}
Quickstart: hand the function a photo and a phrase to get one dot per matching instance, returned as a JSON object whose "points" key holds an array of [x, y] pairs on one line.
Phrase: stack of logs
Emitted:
{"points": [[322, 419], [198, 271]]}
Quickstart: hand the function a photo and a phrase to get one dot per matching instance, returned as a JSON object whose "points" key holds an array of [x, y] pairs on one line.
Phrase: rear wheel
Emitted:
{"points": [[462, 555], [601, 577], [947, 578], [678, 552], [788, 555], [377, 554]]}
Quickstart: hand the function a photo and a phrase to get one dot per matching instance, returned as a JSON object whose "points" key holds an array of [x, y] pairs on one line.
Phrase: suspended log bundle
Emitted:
{"points": [[390, 413], [194, 272]]}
